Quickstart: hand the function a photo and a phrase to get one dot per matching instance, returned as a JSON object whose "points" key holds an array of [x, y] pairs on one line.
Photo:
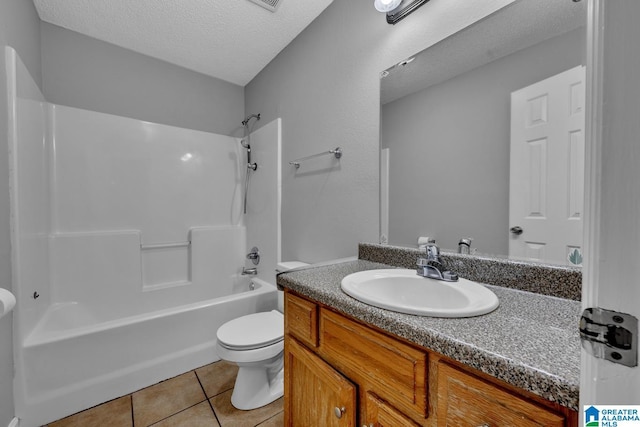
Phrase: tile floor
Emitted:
{"points": [[199, 398]]}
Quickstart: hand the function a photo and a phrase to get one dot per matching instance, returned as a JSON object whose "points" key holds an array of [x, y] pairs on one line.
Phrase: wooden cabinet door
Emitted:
{"points": [[395, 371], [315, 393], [301, 319], [468, 401], [380, 414]]}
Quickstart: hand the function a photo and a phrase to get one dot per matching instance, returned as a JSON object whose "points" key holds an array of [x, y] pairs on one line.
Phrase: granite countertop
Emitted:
{"points": [[530, 341]]}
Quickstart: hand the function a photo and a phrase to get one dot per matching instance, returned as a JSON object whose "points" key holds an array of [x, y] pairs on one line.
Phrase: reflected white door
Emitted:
{"points": [[547, 169]]}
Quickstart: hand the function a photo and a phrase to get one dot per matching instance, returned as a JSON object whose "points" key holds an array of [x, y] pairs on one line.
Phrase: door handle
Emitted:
{"points": [[517, 230]]}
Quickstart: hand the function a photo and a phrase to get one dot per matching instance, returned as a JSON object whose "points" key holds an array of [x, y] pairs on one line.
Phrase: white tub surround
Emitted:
{"points": [[128, 243]]}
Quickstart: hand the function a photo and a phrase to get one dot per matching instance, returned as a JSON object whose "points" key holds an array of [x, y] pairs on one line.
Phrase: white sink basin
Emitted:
{"points": [[402, 290]]}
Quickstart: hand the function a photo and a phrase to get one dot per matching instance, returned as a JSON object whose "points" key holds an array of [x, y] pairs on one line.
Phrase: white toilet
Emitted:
{"points": [[255, 342]]}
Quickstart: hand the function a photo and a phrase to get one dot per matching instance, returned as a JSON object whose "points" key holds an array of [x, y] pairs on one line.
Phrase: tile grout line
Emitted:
{"points": [[208, 399], [187, 408], [179, 412], [265, 420], [133, 422]]}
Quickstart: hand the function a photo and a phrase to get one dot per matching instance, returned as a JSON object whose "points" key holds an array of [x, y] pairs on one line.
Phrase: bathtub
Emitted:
{"points": [[75, 359]]}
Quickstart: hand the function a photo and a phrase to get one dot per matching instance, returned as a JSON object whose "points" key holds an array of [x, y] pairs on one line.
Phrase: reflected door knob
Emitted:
{"points": [[517, 230]]}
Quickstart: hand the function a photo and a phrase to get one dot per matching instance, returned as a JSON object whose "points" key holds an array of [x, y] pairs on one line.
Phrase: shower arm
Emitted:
{"points": [[245, 122]]}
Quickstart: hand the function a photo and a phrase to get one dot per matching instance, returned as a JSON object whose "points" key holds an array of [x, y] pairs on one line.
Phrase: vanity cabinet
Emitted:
{"points": [[378, 413], [317, 395], [464, 399], [341, 372], [383, 366]]}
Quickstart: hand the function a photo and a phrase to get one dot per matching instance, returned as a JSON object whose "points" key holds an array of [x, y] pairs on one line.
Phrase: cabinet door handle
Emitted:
{"points": [[339, 411], [484, 425]]}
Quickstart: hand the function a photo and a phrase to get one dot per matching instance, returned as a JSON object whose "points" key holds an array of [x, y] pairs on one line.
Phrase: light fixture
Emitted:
{"points": [[386, 5], [397, 10]]}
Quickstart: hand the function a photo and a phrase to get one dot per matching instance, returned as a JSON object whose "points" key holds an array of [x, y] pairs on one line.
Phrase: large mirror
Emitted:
{"points": [[448, 126]]}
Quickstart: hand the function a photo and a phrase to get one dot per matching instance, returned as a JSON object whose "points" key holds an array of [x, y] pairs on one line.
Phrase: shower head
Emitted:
{"points": [[245, 122]]}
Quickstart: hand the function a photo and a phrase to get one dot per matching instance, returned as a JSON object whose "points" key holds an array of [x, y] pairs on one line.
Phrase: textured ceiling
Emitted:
{"points": [[522, 24], [231, 40]]}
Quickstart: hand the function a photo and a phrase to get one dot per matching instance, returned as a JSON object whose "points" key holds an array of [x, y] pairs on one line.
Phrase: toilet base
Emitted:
{"points": [[258, 384]]}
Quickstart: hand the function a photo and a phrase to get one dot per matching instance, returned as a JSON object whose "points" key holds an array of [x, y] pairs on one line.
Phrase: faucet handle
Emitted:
{"points": [[465, 241], [254, 256], [464, 245], [433, 252]]}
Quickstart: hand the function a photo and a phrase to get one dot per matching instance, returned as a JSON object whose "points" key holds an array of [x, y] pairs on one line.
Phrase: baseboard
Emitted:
{"points": [[15, 422]]}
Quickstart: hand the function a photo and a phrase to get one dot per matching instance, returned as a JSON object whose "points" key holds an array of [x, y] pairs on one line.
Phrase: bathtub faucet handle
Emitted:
{"points": [[254, 255]]}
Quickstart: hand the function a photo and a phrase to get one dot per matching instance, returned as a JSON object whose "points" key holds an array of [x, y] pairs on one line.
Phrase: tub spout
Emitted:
{"points": [[249, 271]]}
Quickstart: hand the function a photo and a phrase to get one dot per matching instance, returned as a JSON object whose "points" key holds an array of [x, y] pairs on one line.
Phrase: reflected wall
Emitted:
{"points": [[449, 148]]}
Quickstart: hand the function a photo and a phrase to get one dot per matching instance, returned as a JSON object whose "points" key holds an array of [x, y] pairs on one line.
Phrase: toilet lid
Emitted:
{"points": [[252, 331]]}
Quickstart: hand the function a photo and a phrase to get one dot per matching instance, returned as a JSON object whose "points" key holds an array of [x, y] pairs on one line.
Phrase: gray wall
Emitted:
{"points": [[449, 148], [325, 86], [20, 29], [83, 72]]}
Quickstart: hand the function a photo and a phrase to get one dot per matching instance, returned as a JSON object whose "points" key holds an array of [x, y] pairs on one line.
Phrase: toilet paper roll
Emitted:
{"points": [[7, 302]]}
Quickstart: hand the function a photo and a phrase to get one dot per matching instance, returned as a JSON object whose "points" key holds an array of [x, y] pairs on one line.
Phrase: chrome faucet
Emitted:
{"points": [[432, 267], [254, 255], [249, 271]]}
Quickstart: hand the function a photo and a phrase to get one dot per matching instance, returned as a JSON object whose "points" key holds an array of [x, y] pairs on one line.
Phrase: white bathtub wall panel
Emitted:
{"points": [[117, 173], [103, 272], [165, 267], [31, 254], [29, 191], [98, 270], [263, 203], [217, 257]]}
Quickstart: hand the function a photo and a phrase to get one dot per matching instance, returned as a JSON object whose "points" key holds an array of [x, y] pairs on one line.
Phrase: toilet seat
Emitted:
{"points": [[252, 331]]}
